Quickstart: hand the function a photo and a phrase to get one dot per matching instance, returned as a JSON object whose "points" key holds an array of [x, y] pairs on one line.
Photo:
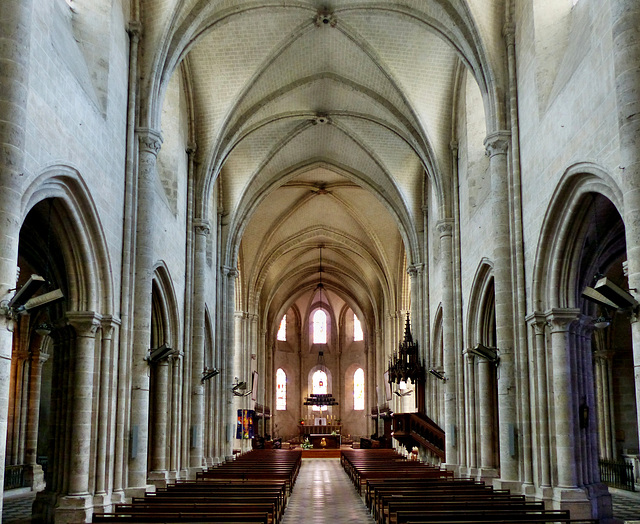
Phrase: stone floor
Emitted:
{"points": [[323, 494]]}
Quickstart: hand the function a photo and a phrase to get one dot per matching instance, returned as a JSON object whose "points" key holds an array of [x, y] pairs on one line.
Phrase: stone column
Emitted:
{"points": [[15, 37], [228, 314], [625, 17], [604, 408], [159, 474], [105, 422], [35, 384], [149, 147], [471, 416], [560, 321], [445, 228], [487, 418], [17, 420], [539, 323], [201, 230], [77, 505], [415, 277], [497, 146]]}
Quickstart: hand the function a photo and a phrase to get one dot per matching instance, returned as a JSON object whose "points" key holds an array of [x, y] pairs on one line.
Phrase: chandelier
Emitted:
{"points": [[405, 364], [321, 399]]}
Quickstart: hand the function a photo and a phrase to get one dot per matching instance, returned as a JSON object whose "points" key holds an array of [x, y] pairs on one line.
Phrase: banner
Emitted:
{"points": [[244, 427]]}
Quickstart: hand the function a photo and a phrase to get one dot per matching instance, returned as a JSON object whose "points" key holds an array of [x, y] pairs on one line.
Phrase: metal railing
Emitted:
{"points": [[617, 474], [14, 477]]}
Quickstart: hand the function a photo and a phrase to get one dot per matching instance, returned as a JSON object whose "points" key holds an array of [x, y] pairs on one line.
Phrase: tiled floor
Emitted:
{"points": [[323, 494]]}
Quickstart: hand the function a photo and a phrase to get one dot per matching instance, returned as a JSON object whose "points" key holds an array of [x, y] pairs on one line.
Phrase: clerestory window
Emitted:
{"points": [[319, 327], [282, 331], [358, 389], [357, 329], [281, 390]]}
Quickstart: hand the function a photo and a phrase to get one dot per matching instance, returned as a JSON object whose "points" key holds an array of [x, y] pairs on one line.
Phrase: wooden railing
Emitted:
{"points": [[416, 429], [617, 474]]}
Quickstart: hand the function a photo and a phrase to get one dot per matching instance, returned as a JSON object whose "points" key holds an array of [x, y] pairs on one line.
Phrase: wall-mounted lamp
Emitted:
{"points": [[164, 351], [239, 389], [24, 301], [44, 329], [491, 354], [601, 322], [438, 374], [209, 373]]}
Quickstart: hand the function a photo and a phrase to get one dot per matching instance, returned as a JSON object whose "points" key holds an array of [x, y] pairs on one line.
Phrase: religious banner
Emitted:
{"points": [[244, 427]]}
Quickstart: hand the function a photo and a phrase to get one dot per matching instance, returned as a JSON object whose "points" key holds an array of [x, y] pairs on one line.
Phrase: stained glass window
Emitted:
{"points": [[358, 389], [319, 386], [281, 390], [282, 331], [357, 329], [319, 327]]}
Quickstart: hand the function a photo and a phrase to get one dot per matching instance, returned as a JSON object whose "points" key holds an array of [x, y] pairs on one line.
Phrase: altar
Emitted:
{"points": [[331, 441], [319, 429]]}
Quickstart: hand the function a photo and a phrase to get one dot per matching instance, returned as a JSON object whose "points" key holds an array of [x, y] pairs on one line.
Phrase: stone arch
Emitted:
{"points": [[162, 286], [479, 316], [553, 275], [83, 243]]}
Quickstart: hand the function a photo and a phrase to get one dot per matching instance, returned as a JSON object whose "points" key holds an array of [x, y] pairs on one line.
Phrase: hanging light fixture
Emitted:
{"points": [[321, 399]]}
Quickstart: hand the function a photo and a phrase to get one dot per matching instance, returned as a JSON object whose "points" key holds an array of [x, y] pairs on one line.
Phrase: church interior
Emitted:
{"points": [[405, 225]]}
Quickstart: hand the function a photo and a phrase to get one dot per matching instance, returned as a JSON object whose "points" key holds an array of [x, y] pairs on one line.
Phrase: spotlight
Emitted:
{"points": [[491, 354], [438, 374], [209, 373], [159, 353]]}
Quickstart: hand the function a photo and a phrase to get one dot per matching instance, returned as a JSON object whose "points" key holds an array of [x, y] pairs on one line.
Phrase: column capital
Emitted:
{"points": [[604, 354], [201, 227], [509, 33], [414, 270], [149, 139], [538, 321], [230, 272], [86, 323], [134, 28], [497, 143], [191, 148], [561, 318], [445, 227]]}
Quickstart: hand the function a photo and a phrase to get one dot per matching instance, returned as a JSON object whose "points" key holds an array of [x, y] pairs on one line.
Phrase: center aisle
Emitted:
{"points": [[324, 494]]}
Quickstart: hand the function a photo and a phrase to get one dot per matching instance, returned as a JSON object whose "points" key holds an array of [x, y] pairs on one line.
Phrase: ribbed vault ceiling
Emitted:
{"points": [[322, 122]]}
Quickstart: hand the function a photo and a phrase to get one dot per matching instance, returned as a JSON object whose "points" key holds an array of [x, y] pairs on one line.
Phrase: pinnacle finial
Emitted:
{"points": [[407, 330]]}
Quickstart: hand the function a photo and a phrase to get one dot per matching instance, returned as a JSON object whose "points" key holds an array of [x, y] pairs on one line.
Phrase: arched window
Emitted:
{"points": [[281, 389], [357, 329], [319, 386], [358, 389], [282, 331], [319, 327]]}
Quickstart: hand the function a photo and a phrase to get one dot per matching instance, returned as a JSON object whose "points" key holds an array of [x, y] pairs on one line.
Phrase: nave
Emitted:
{"points": [[323, 494]]}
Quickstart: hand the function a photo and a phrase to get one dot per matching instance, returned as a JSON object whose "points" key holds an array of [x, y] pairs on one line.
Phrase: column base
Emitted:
{"points": [[514, 486], [573, 499], [601, 503], [192, 472], [158, 478], [118, 497], [35, 477], [487, 475], [129, 493], [74, 509], [102, 502], [451, 467]]}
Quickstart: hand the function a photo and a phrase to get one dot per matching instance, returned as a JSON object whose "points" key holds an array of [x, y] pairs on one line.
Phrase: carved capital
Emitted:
{"points": [[150, 141], [85, 323], [538, 322], [445, 227], [561, 319], [509, 33], [414, 270], [201, 227], [497, 143], [134, 28], [230, 272], [191, 148]]}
